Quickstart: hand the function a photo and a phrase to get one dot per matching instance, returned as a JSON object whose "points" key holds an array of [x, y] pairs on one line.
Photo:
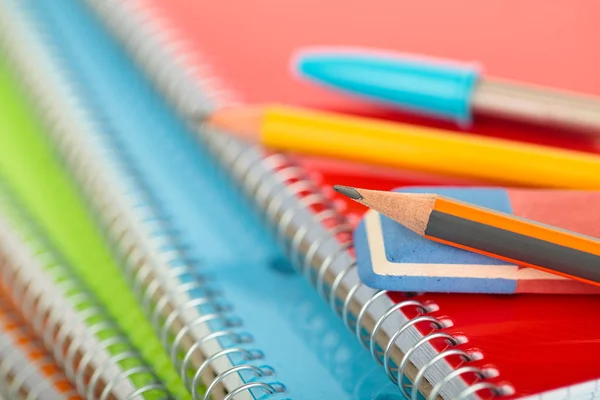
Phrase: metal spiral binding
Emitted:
{"points": [[256, 371], [72, 324], [457, 372], [183, 306], [272, 181], [53, 310], [29, 382], [447, 353]]}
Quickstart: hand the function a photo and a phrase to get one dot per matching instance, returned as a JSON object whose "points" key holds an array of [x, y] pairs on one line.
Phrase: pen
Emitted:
{"points": [[408, 147], [444, 88]]}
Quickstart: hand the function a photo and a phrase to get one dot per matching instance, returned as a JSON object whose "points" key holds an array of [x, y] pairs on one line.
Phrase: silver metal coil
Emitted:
{"points": [[19, 379], [22, 376], [361, 314], [457, 372], [65, 313], [346, 307], [186, 329], [256, 371], [300, 235], [246, 354], [94, 380], [320, 283], [277, 186], [395, 308], [316, 246], [269, 389], [447, 353], [161, 275], [333, 299], [387, 359], [63, 335], [432, 336]]}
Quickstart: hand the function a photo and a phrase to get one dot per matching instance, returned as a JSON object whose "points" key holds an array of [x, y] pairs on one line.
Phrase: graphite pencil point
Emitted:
{"points": [[348, 191]]}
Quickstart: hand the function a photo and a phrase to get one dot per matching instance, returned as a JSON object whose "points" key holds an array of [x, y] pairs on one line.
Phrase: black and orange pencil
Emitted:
{"points": [[488, 232]]}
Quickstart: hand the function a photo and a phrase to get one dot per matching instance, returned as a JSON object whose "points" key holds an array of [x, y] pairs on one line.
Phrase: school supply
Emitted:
{"points": [[409, 147], [204, 271], [489, 232], [393, 257], [26, 369], [94, 352], [445, 88], [402, 331], [59, 210]]}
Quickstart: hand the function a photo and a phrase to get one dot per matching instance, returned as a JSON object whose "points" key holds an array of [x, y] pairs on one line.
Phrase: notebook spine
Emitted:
{"points": [[283, 191], [85, 342], [26, 370], [95, 355], [196, 326]]}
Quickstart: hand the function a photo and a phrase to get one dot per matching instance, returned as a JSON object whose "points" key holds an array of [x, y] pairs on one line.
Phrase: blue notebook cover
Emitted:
{"points": [[305, 343]]}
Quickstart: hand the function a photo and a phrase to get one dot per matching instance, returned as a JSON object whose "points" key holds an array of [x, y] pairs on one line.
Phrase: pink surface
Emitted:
{"points": [[545, 42], [571, 210]]}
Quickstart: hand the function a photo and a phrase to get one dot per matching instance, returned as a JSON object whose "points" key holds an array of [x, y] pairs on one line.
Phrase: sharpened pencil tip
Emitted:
{"points": [[348, 191]]}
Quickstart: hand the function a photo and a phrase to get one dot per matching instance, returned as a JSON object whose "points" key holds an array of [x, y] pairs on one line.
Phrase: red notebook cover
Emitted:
{"points": [[536, 343]]}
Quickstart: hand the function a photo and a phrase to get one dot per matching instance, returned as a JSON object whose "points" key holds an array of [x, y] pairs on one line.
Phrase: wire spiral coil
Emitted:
{"points": [[39, 374], [69, 320], [283, 190], [194, 323]]}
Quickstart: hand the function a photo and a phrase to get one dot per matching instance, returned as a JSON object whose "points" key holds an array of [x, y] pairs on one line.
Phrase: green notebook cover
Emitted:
{"points": [[37, 177]]}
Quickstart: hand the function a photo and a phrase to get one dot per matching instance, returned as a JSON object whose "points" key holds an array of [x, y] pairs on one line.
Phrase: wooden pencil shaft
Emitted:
{"points": [[537, 104], [518, 225], [509, 245]]}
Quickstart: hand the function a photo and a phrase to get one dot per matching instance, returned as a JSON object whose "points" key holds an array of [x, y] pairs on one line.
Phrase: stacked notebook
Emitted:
{"points": [[223, 271]]}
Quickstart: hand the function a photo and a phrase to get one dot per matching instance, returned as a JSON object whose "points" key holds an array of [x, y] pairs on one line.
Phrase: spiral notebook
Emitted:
{"points": [[26, 369], [220, 295], [94, 352], [456, 346], [44, 189]]}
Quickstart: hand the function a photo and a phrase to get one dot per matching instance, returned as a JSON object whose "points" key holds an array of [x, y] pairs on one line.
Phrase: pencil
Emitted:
{"points": [[491, 233], [409, 147]]}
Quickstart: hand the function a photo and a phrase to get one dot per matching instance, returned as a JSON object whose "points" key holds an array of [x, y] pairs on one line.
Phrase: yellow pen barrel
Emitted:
{"points": [[425, 149]]}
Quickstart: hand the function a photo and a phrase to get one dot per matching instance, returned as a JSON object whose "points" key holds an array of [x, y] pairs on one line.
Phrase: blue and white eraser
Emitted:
{"points": [[426, 85]]}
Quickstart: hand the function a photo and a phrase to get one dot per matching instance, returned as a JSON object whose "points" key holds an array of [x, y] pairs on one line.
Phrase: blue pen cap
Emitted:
{"points": [[428, 86]]}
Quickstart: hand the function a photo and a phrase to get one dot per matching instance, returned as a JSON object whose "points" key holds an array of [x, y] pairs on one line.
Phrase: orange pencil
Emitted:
{"points": [[488, 232]]}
